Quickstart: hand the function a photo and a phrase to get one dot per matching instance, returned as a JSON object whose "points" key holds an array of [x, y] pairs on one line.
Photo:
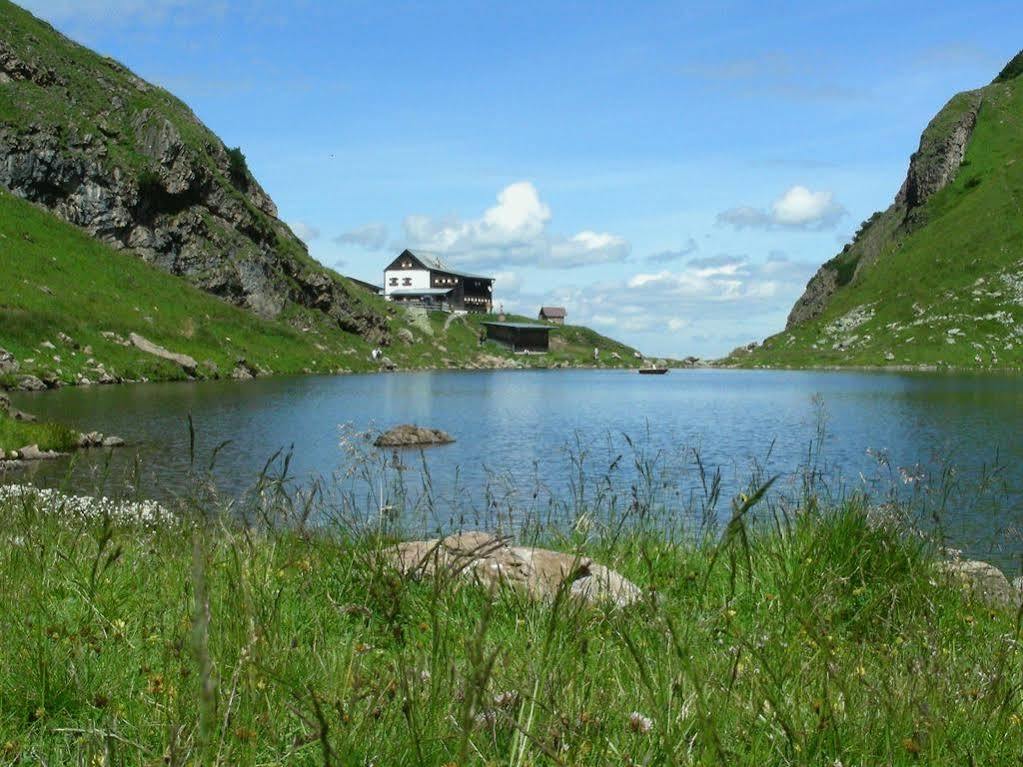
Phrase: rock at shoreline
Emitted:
{"points": [[33, 453], [983, 581], [30, 383], [144, 344], [97, 439], [90, 439], [409, 435], [490, 562]]}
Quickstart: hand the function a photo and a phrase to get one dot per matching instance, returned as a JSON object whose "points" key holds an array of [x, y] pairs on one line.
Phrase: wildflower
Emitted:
{"points": [[640, 723], [911, 745], [155, 684]]}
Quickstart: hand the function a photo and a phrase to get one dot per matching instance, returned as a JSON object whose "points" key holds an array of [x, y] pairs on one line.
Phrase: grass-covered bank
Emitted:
{"points": [[818, 639], [16, 434]]}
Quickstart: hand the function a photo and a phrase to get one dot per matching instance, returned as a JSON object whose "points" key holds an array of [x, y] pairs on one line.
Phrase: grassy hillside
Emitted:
{"points": [[944, 288], [57, 280], [827, 641]]}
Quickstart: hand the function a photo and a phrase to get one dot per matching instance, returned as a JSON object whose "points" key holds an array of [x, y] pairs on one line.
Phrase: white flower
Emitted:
{"points": [[640, 723]]}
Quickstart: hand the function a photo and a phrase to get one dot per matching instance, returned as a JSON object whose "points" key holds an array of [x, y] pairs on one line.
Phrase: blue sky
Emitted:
{"points": [[672, 173]]}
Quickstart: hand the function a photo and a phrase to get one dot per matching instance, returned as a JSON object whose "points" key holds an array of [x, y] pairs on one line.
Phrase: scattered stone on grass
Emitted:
{"points": [[7, 362], [144, 344]]}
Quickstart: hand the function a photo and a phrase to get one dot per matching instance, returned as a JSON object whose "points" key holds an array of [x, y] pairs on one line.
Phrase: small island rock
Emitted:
{"points": [[409, 435]]}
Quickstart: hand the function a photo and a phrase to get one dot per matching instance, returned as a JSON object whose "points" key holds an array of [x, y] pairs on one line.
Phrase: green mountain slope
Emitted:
{"points": [[937, 279]]}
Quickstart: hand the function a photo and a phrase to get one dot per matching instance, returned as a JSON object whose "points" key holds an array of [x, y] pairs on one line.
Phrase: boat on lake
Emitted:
{"points": [[652, 371]]}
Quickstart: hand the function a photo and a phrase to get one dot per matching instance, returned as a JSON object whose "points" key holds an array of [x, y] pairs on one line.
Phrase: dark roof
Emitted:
{"points": [[434, 263], [421, 292], [556, 312], [363, 284], [519, 325]]}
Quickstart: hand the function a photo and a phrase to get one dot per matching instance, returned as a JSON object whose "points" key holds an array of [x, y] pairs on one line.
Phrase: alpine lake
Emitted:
{"points": [[567, 447]]}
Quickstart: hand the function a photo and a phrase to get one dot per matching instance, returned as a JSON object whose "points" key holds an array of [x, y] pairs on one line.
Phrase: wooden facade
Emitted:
{"points": [[410, 279], [553, 314], [519, 336]]}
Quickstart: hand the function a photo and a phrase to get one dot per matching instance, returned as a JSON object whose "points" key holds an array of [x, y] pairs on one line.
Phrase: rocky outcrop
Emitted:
{"points": [[408, 435], [491, 562], [13, 68], [942, 148], [147, 175], [818, 290]]}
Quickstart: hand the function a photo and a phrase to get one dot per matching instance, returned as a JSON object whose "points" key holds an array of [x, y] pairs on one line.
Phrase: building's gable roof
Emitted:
{"points": [[407, 254], [554, 312]]}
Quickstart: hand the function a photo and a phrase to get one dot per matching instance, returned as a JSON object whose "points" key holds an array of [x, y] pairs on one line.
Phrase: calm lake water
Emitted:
{"points": [[553, 442]]}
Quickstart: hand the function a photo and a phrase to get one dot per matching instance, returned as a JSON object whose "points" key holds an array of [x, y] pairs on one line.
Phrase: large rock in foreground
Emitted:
{"points": [[408, 435], [491, 562], [983, 581]]}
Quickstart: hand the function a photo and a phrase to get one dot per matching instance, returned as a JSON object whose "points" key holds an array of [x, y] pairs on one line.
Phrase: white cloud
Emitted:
{"points": [[305, 232], [797, 208], [512, 232], [368, 236], [800, 207], [699, 307]]}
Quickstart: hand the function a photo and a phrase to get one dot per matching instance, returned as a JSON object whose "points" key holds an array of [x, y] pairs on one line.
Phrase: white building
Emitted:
{"points": [[429, 281]]}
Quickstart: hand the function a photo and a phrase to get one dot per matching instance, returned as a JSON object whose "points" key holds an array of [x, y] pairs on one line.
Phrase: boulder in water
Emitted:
{"points": [[409, 435]]}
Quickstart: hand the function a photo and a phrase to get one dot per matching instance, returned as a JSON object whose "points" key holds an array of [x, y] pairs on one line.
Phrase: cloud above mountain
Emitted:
{"points": [[368, 236], [671, 256], [515, 231], [797, 208]]}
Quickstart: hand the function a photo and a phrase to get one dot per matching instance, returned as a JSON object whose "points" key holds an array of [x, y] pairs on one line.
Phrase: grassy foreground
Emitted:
{"points": [[822, 641]]}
